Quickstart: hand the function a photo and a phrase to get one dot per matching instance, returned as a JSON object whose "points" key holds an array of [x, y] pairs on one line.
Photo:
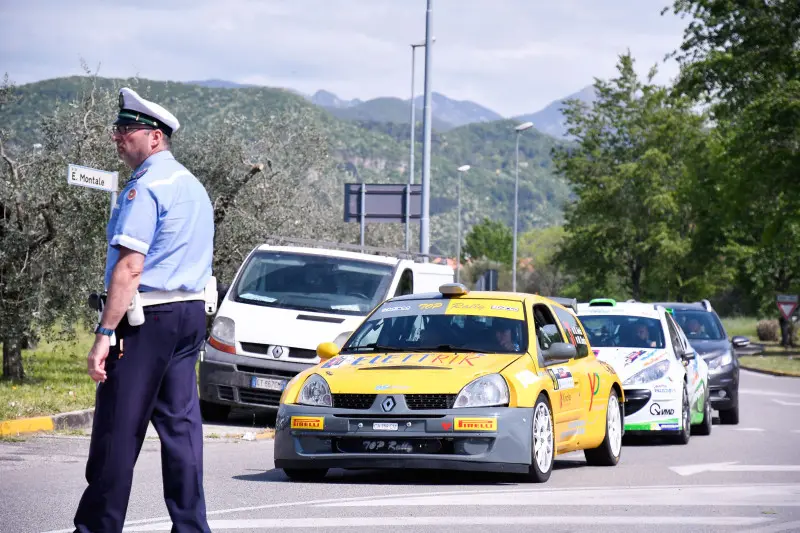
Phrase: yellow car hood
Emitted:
{"points": [[443, 373]]}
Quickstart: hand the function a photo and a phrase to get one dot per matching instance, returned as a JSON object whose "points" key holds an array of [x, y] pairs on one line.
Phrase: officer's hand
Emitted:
{"points": [[96, 362]]}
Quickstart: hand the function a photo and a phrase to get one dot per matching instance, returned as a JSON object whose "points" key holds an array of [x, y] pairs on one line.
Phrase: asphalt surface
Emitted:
{"points": [[740, 478]]}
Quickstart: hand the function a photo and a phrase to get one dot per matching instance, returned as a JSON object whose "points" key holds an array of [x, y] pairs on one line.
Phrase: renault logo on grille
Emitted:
{"points": [[388, 404]]}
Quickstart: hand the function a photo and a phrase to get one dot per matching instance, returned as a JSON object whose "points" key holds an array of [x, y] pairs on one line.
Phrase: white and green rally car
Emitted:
{"points": [[665, 380]]}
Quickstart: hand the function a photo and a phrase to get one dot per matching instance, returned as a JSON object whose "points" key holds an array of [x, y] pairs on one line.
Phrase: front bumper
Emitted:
{"points": [[647, 410], [723, 389], [422, 439], [227, 379]]}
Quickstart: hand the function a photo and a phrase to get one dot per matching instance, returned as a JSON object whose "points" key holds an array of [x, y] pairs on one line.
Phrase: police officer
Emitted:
{"points": [[160, 244]]}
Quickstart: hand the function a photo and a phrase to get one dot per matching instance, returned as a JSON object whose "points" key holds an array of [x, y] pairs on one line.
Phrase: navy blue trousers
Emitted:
{"points": [[150, 376]]}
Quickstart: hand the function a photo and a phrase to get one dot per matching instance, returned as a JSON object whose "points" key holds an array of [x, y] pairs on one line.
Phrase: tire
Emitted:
{"points": [[729, 416], [609, 451], [686, 421], [305, 474], [542, 441], [214, 412], [704, 428]]}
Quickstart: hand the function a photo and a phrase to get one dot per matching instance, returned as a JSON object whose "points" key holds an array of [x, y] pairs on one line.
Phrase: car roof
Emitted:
{"points": [[486, 295], [622, 308]]}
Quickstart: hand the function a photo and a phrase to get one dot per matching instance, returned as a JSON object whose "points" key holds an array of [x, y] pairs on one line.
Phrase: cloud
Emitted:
{"points": [[513, 56]]}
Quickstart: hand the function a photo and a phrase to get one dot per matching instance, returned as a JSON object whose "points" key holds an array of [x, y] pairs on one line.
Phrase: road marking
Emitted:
{"points": [[751, 493], [747, 429], [796, 431], [761, 392], [784, 495], [775, 528], [689, 470], [781, 402], [381, 521]]}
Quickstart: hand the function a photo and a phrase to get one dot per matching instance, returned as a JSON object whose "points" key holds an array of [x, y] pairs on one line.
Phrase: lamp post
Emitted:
{"points": [[424, 219], [519, 129], [414, 47], [461, 171]]}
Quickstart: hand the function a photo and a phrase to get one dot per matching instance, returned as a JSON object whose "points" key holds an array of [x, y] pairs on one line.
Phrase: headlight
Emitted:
{"points": [[718, 363], [485, 391], [315, 392], [224, 330], [657, 371]]}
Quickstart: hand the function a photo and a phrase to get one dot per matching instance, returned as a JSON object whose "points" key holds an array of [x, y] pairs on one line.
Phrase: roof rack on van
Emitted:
{"points": [[569, 303], [706, 305], [278, 240], [602, 302]]}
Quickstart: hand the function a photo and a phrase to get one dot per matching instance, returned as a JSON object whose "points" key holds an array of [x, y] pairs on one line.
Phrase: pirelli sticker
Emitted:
{"points": [[308, 422], [475, 424]]}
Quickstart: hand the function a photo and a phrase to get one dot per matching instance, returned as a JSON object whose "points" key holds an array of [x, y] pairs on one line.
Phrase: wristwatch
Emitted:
{"points": [[104, 331]]}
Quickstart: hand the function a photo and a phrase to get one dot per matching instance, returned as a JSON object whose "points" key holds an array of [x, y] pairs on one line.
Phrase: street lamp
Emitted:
{"points": [[519, 129], [414, 47], [461, 171]]}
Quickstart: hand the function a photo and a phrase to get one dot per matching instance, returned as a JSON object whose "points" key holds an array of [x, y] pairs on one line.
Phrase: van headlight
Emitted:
{"points": [[315, 392], [485, 391], [652, 373]]}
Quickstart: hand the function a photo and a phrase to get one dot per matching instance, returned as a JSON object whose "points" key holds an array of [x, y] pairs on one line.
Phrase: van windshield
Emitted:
{"points": [[307, 282]]}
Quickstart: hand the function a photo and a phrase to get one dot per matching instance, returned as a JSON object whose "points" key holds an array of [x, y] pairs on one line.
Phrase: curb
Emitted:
{"points": [[71, 420], [771, 372]]}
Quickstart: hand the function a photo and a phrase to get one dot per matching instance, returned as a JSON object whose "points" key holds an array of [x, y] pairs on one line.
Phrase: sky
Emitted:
{"points": [[512, 56]]}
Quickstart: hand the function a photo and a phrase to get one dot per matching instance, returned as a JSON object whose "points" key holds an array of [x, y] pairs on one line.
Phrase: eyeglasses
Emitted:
{"points": [[124, 129]]}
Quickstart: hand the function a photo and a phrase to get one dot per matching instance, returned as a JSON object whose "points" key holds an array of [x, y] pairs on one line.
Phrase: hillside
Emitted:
{"points": [[550, 120], [372, 151]]}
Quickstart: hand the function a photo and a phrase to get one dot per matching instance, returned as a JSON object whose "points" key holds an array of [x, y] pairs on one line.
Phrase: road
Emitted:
{"points": [[740, 478]]}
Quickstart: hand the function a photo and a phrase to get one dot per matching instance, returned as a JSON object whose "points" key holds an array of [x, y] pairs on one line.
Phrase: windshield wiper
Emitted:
{"points": [[375, 347]]}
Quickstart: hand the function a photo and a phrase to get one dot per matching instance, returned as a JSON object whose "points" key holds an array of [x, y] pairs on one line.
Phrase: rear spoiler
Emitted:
{"points": [[569, 303]]}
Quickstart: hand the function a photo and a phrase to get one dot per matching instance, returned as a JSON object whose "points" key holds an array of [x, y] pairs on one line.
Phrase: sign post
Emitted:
{"points": [[94, 178], [381, 202]]}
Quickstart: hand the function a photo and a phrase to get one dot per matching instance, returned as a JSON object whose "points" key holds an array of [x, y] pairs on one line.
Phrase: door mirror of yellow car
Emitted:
{"points": [[326, 350], [559, 353]]}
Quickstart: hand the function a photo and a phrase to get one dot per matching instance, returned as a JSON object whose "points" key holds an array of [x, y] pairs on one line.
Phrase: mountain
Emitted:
{"points": [[372, 151], [328, 99], [219, 84], [446, 112], [550, 120]]}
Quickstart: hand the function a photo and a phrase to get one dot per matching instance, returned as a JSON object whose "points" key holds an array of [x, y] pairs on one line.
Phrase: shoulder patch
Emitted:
{"points": [[140, 173], [131, 194]]}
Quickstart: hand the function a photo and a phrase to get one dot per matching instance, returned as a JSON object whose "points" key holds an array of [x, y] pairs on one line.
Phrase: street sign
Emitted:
{"points": [[93, 178], [382, 202], [787, 303]]}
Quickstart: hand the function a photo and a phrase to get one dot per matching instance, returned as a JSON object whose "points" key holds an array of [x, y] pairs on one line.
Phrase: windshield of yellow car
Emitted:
{"points": [[483, 326]]}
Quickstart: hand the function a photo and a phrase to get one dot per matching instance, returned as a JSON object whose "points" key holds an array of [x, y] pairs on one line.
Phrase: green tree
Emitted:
{"points": [[626, 171], [539, 271], [490, 239]]}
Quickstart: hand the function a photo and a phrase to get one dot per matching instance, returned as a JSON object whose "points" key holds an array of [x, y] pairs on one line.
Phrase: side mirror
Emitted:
{"points": [[740, 342], [222, 290], [559, 351], [326, 350]]}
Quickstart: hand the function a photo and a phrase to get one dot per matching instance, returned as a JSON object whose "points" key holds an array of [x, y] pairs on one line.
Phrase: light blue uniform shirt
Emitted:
{"points": [[164, 213]]}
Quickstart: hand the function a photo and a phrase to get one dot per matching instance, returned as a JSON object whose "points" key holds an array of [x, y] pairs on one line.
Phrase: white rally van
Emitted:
{"points": [[286, 300]]}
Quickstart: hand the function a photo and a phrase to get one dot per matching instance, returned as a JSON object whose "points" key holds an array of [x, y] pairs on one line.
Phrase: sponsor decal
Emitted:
{"points": [[475, 424], [394, 387], [436, 305], [561, 378], [526, 377], [396, 308], [595, 351], [594, 385], [447, 359], [608, 367], [564, 397], [633, 356], [447, 426], [663, 389], [308, 422], [505, 308], [656, 410], [465, 305]]}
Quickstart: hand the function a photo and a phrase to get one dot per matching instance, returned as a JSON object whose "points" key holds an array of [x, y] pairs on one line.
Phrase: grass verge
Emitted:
{"points": [[741, 325], [774, 363], [56, 380]]}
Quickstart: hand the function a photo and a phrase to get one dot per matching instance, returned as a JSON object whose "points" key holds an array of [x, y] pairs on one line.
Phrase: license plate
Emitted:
{"points": [[384, 426], [267, 383]]}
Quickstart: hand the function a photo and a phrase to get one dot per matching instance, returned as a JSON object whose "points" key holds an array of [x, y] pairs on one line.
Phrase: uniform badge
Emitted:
{"points": [[131, 194], [121, 101], [140, 173]]}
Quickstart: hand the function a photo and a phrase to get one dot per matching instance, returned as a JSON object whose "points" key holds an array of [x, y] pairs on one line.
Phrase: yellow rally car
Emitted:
{"points": [[461, 380]]}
